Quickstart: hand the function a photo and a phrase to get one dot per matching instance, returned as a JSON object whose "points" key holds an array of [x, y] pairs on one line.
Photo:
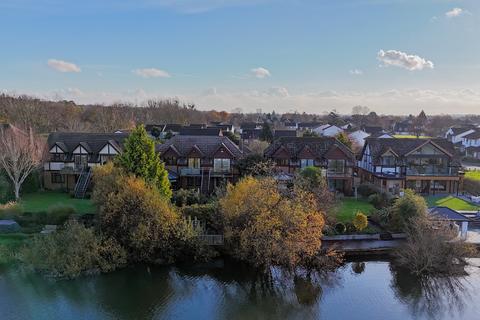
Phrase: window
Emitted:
{"points": [[336, 166], [221, 165], [281, 162], [57, 157], [81, 161], [170, 161], [194, 163], [388, 161], [57, 178], [306, 163]]}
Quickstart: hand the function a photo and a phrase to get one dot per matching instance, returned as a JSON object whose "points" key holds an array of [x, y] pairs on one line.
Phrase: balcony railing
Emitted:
{"points": [[430, 171], [190, 171]]}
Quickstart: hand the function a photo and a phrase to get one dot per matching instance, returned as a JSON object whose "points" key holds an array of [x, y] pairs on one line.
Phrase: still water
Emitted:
{"points": [[226, 290]]}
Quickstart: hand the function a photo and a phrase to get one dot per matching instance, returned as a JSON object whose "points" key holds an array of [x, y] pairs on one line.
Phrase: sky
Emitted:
{"points": [[314, 56]]}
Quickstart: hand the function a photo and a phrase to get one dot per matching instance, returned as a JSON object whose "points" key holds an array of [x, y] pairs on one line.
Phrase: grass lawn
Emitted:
{"points": [[451, 202], [41, 201], [348, 207], [401, 136], [474, 175]]}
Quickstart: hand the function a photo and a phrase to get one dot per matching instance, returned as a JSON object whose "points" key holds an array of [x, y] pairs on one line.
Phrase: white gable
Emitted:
{"points": [[80, 150], [108, 149], [56, 149]]}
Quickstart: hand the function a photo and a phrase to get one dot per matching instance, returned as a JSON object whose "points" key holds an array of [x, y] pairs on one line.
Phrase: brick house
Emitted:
{"points": [[335, 159]]}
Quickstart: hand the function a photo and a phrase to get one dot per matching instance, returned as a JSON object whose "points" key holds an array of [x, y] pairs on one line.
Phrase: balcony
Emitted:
{"points": [[431, 171], [221, 172], [190, 171]]}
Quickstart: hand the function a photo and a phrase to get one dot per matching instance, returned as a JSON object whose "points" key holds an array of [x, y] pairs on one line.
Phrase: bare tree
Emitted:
{"points": [[20, 154]]}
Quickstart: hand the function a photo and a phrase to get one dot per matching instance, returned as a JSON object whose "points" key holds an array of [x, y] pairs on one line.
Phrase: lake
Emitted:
{"points": [[228, 290]]}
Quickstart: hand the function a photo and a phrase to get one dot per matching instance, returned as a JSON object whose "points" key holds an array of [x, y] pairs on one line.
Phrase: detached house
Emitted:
{"points": [[72, 155], [201, 162], [337, 161], [455, 134], [427, 166]]}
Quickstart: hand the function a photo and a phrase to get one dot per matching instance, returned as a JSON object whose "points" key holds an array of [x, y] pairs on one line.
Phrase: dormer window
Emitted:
{"points": [[388, 160], [57, 157], [306, 163], [194, 163]]}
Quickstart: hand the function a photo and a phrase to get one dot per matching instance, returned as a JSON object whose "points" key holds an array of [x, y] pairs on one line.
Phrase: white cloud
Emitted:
{"points": [[356, 72], [455, 12], [260, 72], [151, 73], [63, 66], [403, 60]]}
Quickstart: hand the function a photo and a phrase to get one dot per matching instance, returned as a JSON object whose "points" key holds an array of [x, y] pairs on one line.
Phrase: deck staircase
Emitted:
{"points": [[82, 183]]}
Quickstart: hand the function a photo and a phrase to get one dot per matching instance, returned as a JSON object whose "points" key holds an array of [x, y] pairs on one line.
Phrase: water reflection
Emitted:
{"points": [[229, 290], [431, 296]]}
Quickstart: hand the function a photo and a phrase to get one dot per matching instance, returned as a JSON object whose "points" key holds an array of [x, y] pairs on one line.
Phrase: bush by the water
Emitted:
{"points": [[72, 251], [430, 250], [205, 213]]}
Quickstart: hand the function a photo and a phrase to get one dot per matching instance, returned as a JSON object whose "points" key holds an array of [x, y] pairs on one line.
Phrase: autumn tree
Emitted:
{"points": [[345, 139], [264, 227], [20, 154], [140, 158]]}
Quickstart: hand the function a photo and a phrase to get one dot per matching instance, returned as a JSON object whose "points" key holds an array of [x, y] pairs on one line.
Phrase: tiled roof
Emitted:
{"points": [[447, 214], [459, 130], [208, 145], [474, 135], [93, 142], [317, 145], [284, 133], [186, 131], [401, 147]]}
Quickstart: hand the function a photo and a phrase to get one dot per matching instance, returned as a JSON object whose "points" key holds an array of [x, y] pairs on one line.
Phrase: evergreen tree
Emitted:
{"points": [[139, 158], [267, 133]]}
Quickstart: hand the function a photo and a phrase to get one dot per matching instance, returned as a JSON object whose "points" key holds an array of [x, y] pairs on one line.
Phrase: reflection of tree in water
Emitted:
{"points": [[248, 293], [358, 267], [428, 295]]}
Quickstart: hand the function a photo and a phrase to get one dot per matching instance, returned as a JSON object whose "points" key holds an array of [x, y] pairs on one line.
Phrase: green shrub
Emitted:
{"points": [[72, 251], [379, 200], [340, 227], [205, 213], [366, 190], [59, 214], [6, 190], [32, 183], [187, 197]]}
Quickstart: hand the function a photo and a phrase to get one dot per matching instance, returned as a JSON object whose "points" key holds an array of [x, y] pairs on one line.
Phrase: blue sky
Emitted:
{"points": [[395, 56]]}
